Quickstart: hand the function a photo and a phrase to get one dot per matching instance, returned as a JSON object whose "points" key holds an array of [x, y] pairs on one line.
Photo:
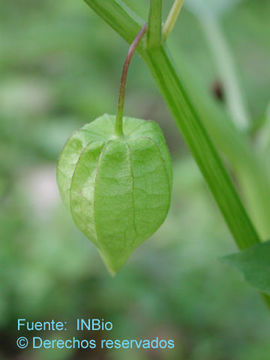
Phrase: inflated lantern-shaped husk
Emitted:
{"points": [[118, 188], [115, 175]]}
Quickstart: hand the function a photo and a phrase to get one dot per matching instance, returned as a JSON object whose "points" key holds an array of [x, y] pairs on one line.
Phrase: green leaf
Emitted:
{"points": [[254, 264]]}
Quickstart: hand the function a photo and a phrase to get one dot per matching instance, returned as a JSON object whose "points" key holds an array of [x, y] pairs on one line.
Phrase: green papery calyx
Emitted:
{"points": [[118, 189]]}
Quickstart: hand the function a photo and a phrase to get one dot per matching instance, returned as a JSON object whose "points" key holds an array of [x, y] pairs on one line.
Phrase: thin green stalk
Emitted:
{"points": [[154, 24], [172, 18]]}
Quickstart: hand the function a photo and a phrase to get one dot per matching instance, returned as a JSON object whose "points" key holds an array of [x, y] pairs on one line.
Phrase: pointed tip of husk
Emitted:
{"points": [[113, 265]]}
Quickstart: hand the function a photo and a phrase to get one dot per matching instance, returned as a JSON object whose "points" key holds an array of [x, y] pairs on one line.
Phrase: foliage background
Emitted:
{"points": [[59, 68]]}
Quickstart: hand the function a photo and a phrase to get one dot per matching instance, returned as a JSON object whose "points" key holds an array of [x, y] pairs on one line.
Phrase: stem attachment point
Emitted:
{"points": [[122, 90]]}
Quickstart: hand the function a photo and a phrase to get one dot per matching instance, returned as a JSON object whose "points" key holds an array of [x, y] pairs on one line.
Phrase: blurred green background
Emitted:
{"points": [[60, 67]]}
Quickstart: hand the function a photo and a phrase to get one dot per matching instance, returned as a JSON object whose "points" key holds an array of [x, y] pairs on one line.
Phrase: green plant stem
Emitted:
{"points": [[154, 24], [172, 18], [123, 83], [202, 148], [225, 63]]}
